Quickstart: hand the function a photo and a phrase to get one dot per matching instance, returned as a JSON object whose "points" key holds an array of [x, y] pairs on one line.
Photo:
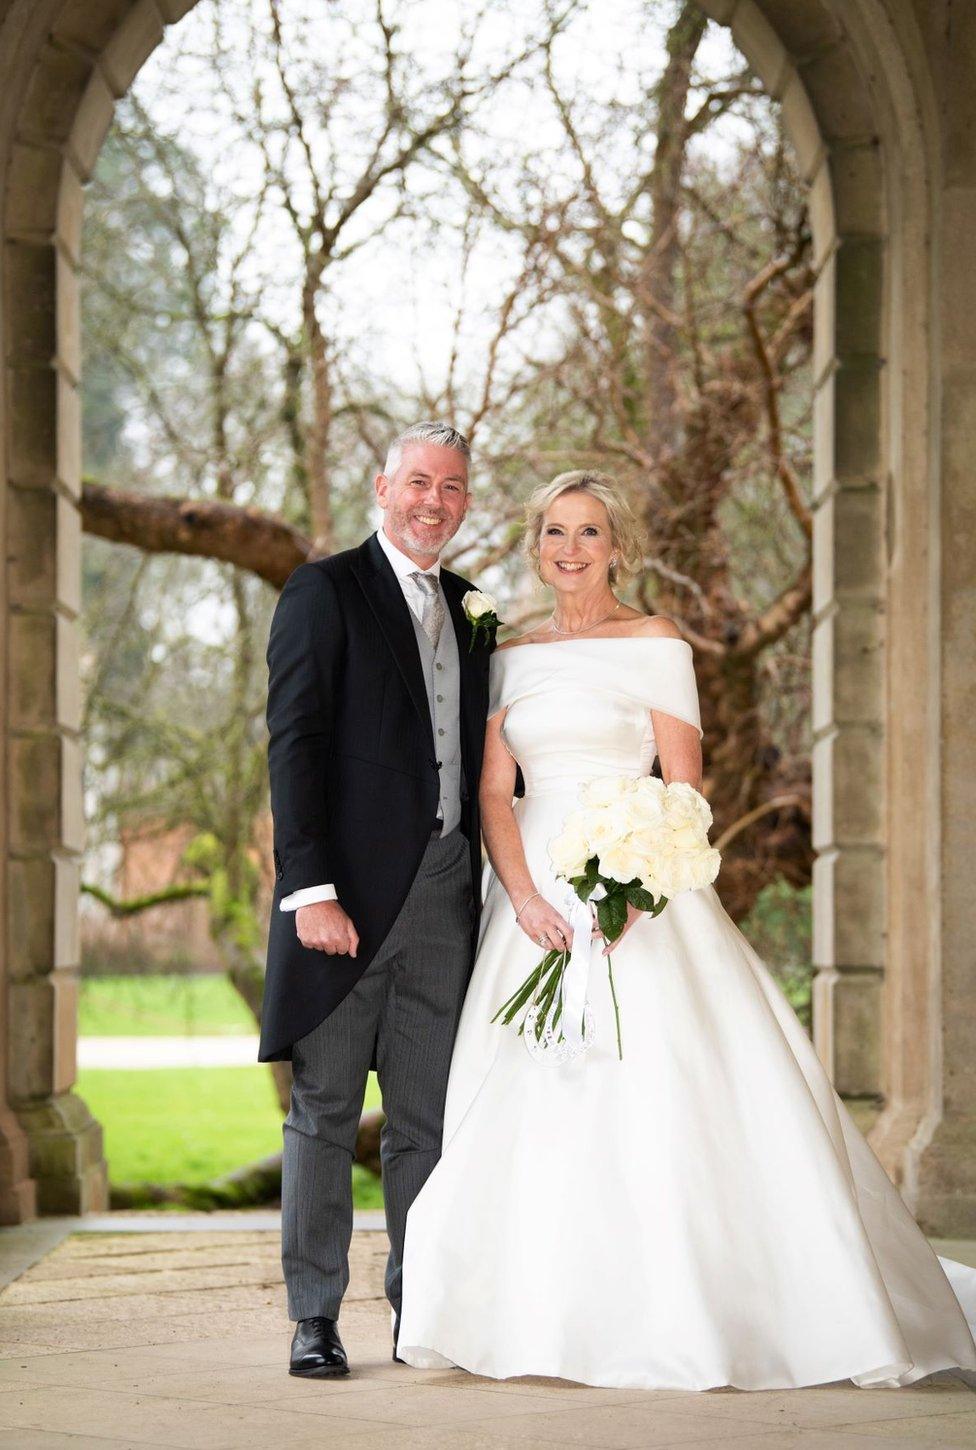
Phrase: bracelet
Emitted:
{"points": [[526, 902]]}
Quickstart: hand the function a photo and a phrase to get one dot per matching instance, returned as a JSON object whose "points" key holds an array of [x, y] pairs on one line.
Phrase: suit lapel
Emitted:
{"points": [[462, 629], [385, 597]]}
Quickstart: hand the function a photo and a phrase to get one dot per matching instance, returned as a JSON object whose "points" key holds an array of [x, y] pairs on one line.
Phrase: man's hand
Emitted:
{"points": [[325, 927]]}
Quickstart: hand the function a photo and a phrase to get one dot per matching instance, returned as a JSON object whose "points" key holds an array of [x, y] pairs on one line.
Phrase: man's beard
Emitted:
{"points": [[401, 527]]}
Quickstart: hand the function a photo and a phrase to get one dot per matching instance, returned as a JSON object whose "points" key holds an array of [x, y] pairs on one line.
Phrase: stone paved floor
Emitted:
{"points": [[179, 1340]]}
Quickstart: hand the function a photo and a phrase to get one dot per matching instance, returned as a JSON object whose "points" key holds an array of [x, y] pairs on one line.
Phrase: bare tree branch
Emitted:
{"points": [[778, 617], [772, 384], [245, 537], [136, 905], [776, 803]]}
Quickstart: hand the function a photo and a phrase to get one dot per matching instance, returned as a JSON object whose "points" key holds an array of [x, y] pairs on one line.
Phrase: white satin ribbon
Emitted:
{"points": [[577, 973]]}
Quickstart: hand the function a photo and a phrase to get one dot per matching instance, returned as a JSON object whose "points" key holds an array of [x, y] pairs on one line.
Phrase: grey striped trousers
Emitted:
{"points": [[406, 1005]]}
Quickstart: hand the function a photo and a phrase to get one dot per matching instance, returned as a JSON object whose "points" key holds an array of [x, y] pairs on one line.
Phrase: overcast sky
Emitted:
{"points": [[399, 294]]}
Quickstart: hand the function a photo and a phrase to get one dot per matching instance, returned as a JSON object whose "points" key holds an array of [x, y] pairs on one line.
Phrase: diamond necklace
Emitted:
{"points": [[555, 627]]}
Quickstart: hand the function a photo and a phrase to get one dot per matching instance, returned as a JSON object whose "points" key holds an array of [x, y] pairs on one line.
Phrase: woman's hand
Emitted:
{"points": [[544, 925], [632, 914]]}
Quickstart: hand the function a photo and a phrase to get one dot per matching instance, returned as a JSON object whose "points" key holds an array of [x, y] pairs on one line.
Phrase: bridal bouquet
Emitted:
{"points": [[632, 843]]}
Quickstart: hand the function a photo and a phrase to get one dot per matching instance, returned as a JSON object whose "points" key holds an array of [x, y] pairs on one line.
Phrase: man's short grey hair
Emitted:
{"points": [[440, 433]]}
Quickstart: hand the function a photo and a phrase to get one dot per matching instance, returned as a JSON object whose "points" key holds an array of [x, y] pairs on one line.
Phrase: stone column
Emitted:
{"points": [[946, 1168], [848, 681], [44, 819], [64, 63], [802, 56]]}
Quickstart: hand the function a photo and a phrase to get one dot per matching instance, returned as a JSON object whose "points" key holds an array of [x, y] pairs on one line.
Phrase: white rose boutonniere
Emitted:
{"points": [[481, 612]]}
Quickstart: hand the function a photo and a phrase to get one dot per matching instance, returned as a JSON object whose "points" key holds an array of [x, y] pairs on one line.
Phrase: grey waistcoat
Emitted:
{"points": [[442, 676]]}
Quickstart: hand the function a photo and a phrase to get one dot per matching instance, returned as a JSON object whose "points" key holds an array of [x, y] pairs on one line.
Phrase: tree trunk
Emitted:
{"points": [[658, 283], [320, 424], [247, 979]]}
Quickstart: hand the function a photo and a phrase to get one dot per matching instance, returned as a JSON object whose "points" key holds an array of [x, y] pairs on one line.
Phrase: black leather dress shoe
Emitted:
{"points": [[316, 1350]]}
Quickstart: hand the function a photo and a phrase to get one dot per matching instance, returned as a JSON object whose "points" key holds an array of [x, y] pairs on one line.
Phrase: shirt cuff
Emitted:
{"points": [[307, 897]]}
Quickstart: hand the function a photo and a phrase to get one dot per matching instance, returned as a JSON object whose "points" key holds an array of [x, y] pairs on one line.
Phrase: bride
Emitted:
{"points": [[702, 1212]]}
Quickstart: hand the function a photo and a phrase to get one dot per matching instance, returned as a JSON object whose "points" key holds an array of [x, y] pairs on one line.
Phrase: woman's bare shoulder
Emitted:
{"points": [[655, 626]]}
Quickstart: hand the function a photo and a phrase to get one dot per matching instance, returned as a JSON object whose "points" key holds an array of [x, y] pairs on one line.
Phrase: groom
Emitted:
{"points": [[376, 714]]}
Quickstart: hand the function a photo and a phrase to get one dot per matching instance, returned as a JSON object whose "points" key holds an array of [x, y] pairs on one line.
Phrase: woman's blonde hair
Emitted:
{"points": [[625, 531]]}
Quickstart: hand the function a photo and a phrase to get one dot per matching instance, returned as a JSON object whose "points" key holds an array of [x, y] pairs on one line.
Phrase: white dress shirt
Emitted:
{"points": [[403, 567]]}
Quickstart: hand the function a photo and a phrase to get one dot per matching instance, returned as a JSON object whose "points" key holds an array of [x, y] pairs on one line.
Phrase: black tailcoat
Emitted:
{"points": [[354, 783]]}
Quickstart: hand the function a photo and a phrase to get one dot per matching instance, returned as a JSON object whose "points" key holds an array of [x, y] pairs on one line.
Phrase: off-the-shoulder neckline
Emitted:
{"points": [[595, 639]]}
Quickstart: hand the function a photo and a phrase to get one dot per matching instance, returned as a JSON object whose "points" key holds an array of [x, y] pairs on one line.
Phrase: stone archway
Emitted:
{"points": [[893, 659], [70, 61]]}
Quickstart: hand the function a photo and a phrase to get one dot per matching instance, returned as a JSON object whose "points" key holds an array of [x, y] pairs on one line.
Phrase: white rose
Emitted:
{"points": [[657, 856], [682, 801], [654, 840], [650, 787], [604, 790], [569, 852], [646, 810], [620, 862], [578, 820], [702, 868], [657, 885], [477, 603], [680, 804], [694, 869], [608, 825], [687, 836]]}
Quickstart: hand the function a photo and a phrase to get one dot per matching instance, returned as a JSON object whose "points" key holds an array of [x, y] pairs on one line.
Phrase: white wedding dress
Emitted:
{"points": [[702, 1213]]}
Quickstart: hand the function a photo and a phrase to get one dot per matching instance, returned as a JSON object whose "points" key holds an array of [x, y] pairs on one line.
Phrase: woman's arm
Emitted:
{"points": [[678, 743], [503, 841], [679, 749]]}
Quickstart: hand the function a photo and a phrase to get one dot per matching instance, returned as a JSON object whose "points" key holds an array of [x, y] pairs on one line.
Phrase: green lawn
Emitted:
{"points": [[161, 1006], [186, 1125], [182, 1124]]}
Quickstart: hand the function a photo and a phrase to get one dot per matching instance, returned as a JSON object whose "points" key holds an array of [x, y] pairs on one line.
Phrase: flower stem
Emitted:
{"points": [[616, 1008]]}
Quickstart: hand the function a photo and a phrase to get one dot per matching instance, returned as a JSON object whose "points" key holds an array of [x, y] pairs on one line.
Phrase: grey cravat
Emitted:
{"points": [[433, 615]]}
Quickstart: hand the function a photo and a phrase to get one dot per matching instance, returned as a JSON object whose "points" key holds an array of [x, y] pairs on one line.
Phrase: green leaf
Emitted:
{"points": [[611, 913], [583, 885], [521, 996], [641, 899]]}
